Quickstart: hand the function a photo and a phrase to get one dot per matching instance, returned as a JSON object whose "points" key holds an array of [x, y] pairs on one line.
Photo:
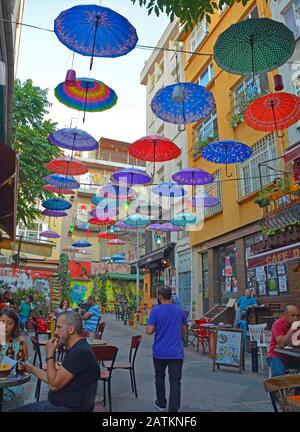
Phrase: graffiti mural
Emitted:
{"points": [[14, 279], [80, 290]]}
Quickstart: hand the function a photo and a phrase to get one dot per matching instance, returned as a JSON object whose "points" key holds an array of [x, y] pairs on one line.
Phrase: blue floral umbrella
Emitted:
{"points": [[95, 31], [183, 103], [73, 139], [56, 204], [63, 181], [226, 152], [81, 243]]}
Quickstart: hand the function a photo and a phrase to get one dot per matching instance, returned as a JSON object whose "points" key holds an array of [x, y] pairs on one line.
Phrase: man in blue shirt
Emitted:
{"points": [[168, 323], [92, 316], [243, 304]]}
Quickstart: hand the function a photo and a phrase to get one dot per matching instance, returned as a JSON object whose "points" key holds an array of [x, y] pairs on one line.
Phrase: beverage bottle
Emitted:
{"points": [[20, 365], [10, 351]]}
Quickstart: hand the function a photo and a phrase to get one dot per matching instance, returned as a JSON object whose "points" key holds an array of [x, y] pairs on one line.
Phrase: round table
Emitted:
{"points": [[96, 342], [12, 380]]}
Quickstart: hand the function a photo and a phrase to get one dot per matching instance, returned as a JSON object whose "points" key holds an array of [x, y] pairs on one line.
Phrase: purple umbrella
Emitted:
{"points": [[192, 176], [131, 176], [121, 224], [164, 227], [73, 139], [103, 212], [169, 189], [54, 213], [49, 234], [117, 191], [207, 200]]}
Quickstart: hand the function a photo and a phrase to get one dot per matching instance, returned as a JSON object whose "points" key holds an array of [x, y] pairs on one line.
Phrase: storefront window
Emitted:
{"points": [[228, 284]]}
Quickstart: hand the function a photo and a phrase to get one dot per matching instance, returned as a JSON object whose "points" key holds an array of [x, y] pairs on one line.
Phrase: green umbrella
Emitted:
{"points": [[254, 45], [184, 219]]}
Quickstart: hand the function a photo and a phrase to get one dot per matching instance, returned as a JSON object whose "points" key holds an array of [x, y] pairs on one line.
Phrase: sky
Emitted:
{"points": [[45, 60]]}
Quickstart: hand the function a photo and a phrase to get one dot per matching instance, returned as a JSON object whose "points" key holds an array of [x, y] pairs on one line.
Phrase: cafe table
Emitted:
{"points": [[12, 380], [289, 351], [95, 342]]}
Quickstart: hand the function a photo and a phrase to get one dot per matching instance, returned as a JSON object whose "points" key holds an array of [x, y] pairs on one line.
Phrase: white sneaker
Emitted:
{"points": [[158, 407]]}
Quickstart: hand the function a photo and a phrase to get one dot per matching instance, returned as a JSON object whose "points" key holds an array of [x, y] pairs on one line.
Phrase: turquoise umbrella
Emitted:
{"points": [[184, 219]]}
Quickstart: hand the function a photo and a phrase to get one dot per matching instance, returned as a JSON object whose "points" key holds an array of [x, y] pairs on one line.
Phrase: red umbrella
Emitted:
{"points": [[96, 221], [56, 189], [67, 165], [106, 235], [273, 112]]}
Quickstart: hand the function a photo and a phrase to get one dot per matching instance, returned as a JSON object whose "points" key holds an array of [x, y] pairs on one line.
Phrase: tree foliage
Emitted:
{"points": [[188, 11], [64, 276], [30, 131]]}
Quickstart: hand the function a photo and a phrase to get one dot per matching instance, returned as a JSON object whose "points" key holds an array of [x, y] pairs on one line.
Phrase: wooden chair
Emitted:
{"points": [[280, 388], [106, 353], [135, 343]]}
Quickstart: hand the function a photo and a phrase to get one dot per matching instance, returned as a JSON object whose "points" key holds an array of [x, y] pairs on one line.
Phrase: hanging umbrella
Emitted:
{"points": [[183, 103], [106, 235], [118, 257], [254, 46], [62, 181], [192, 176], [71, 249], [226, 152], [125, 226], [56, 189], [149, 209], [103, 212], [273, 112], [96, 199], [184, 219], [56, 204], [49, 234], [81, 243], [116, 242], [164, 227], [87, 227], [54, 213], [67, 165], [131, 176], [119, 261], [117, 192], [205, 200], [136, 220], [87, 95], [73, 139], [95, 31], [169, 189], [103, 222]]}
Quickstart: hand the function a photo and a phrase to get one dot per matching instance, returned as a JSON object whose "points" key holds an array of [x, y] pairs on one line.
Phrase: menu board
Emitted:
{"points": [[229, 348]]}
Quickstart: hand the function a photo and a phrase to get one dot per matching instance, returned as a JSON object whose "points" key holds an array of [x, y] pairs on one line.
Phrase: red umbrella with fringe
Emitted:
{"points": [[56, 189], [67, 165]]}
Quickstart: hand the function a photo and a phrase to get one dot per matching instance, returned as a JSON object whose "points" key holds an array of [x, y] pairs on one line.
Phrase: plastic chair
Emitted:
{"points": [[280, 388], [257, 334], [135, 343], [106, 353], [201, 334]]}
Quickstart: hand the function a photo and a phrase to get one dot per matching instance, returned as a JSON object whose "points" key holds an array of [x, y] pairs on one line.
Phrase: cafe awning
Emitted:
{"points": [[283, 254], [292, 152]]}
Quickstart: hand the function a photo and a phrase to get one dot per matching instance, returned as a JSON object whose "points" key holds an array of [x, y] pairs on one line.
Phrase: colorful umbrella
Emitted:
{"points": [[183, 103], [56, 189], [226, 152], [81, 243], [95, 31], [49, 234], [62, 181], [254, 46], [184, 219], [73, 139], [116, 242], [136, 220], [273, 112], [103, 222], [122, 225], [56, 204], [106, 235], [54, 213], [192, 176], [87, 95], [67, 165], [117, 192], [131, 176], [205, 200], [169, 189], [164, 227]]}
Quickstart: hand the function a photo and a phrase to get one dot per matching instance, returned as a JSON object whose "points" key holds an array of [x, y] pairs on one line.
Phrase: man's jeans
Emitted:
{"points": [[277, 365], [175, 373]]}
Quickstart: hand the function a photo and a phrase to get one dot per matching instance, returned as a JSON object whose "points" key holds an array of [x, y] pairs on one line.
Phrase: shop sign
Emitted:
{"points": [[278, 255]]}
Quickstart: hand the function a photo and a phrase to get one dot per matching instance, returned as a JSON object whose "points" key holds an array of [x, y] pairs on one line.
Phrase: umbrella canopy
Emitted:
{"points": [[122, 225], [96, 199], [81, 243], [205, 200], [86, 227], [49, 234], [116, 242], [104, 212], [164, 227], [254, 46], [169, 189], [73, 139], [118, 257], [273, 111], [71, 249], [106, 235], [56, 189], [62, 181], [67, 165], [154, 148], [54, 213], [193, 103], [192, 176], [117, 192], [102, 222], [184, 219], [136, 220], [56, 204], [226, 152], [106, 258], [87, 95], [131, 176], [148, 208]]}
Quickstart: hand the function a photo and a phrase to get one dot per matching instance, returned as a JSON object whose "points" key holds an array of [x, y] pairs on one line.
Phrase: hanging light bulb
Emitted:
{"points": [[73, 237], [126, 205], [158, 239], [83, 208], [71, 229], [178, 94]]}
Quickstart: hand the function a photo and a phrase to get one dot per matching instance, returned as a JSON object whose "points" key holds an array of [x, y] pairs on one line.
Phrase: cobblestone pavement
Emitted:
{"points": [[224, 390]]}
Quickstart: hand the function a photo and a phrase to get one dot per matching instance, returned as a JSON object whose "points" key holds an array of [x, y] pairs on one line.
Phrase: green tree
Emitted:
{"points": [[30, 132], [64, 276], [188, 11]]}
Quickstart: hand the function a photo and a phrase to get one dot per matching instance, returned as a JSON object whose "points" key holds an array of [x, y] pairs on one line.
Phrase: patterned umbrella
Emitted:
{"points": [[254, 46], [102, 222], [164, 227], [226, 152], [56, 189], [73, 139], [192, 176], [62, 181], [49, 234], [122, 225], [81, 243], [95, 31], [136, 220], [131, 176], [184, 219], [67, 165], [116, 242], [117, 191], [106, 235], [183, 103], [273, 112], [87, 95], [205, 200], [169, 189], [54, 213], [56, 204]]}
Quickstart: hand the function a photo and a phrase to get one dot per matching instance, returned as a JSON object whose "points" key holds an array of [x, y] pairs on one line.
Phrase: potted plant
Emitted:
{"points": [[262, 198], [201, 143]]}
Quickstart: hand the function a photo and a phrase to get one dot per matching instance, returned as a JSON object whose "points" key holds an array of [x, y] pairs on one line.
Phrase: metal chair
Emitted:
{"points": [[280, 388], [257, 334], [201, 334], [100, 329]]}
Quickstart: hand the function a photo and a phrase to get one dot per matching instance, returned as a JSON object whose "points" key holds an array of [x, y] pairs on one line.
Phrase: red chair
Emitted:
{"points": [[106, 353], [201, 334], [135, 343]]}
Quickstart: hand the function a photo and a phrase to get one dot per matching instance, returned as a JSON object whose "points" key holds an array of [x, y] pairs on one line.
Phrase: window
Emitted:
{"points": [[215, 190], [245, 92], [208, 129], [263, 151], [291, 17], [198, 34], [32, 233], [253, 13], [206, 76]]}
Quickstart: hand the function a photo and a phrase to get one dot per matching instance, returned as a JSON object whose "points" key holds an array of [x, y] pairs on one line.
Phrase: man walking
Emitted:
{"points": [[168, 323]]}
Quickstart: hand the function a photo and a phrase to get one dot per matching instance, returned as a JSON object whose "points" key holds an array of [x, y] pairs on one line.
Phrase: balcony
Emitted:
{"points": [[204, 134]]}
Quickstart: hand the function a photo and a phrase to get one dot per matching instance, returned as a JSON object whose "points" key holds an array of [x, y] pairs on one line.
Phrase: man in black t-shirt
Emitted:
{"points": [[72, 387]]}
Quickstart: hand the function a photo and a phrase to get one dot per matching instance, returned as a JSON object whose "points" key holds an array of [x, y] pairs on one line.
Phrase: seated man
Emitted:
{"points": [[92, 315], [72, 386], [242, 305], [281, 336]]}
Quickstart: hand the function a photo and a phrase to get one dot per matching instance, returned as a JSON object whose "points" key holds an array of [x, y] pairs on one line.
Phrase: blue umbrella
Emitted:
{"points": [[118, 257], [62, 181], [73, 139], [131, 176], [169, 189], [183, 103], [226, 152], [56, 204], [95, 31], [184, 219], [136, 220], [97, 198], [205, 200], [81, 243]]}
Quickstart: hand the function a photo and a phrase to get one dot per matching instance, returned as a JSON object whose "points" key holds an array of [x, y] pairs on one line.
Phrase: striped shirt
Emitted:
{"points": [[91, 323]]}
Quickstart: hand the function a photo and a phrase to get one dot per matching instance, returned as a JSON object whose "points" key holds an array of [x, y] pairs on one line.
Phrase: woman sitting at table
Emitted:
{"points": [[64, 306], [12, 396]]}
